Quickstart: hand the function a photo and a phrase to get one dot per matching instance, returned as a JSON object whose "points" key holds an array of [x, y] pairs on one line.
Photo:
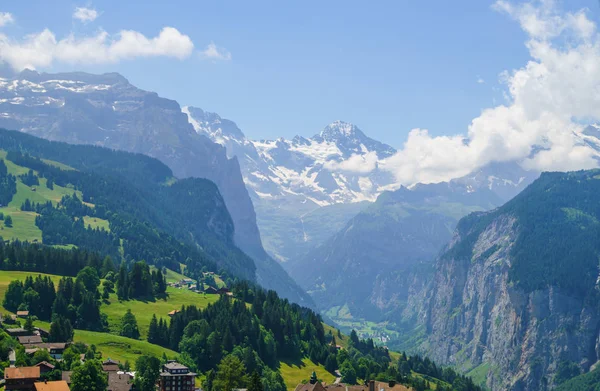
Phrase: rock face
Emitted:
{"points": [[371, 264], [106, 110], [482, 312]]}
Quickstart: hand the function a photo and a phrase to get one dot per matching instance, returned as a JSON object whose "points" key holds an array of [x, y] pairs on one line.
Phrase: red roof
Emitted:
{"points": [[22, 373], [59, 385]]}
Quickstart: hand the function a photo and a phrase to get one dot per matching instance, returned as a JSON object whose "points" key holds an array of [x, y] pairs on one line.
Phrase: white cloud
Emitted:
{"points": [[548, 99], [84, 14], [215, 53], [355, 164], [480, 80], [6, 18], [42, 49]]}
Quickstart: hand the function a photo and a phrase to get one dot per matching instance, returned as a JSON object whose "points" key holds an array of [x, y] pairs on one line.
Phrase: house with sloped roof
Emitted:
{"points": [[21, 378], [56, 349], [176, 377], [57, 385], [17, 331], [110, 366], [66, 376], [45, 367], [119, 381], [29, 339]]}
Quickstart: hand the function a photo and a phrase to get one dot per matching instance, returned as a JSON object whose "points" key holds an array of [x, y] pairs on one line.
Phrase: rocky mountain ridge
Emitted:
{"points": [[106, 110], [514, 295]]}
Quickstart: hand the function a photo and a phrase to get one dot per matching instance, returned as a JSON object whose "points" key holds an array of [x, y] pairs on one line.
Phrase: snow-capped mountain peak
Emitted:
{"points": [[212, 125], [310, 169], [338, 129]]}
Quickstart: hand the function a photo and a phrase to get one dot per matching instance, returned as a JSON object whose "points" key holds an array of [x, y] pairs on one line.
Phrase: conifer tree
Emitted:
{"points": [[129, 327], [153, 332]]}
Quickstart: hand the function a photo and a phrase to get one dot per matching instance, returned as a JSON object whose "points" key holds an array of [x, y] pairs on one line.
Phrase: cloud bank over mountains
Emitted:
{"points": [[549, 101]]}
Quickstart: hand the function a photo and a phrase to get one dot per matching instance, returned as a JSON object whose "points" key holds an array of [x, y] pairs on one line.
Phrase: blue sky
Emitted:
{"points": [[295, 66]]}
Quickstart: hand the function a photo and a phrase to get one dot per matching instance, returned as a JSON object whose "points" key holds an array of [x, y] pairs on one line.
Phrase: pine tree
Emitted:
{"points": [[255, 383], [231, 373], [61, 330], [122, 283], [147, 372], [8, 221], [153, 332], [129, 327], [107, 266], [29, 325]]}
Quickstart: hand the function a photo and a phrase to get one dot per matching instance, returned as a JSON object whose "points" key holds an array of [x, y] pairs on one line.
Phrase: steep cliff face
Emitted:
{"points": [[371, 265], [514, 298]]}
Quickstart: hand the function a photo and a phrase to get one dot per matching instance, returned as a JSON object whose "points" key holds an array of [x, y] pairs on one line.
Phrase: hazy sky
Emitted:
{"points": [[281, 68]]}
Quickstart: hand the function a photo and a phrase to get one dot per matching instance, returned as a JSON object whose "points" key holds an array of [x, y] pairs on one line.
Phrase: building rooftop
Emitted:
{"points": [[119, 382], [49, 345], [45, 364], [58, 385], [22, 373], [16, 330], [174, 365], [29, 339], [66, 376]]}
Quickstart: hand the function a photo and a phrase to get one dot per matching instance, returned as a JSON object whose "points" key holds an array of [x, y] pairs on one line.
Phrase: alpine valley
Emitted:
{"points": [[494, 273], [106, 110]]}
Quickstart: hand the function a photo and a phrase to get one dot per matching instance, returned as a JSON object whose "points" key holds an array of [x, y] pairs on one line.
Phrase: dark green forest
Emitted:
{"points": [[152, 216], [558, 225]]}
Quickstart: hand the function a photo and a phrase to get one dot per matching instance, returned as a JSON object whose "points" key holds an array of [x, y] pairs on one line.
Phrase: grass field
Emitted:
{"points": [[294, 373], [24, 227], [116, 347], [173, 276], [143, 310], [96, 222]]}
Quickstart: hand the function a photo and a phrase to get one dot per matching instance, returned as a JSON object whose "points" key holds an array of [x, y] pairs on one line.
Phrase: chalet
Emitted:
{"points": [[45, 367], [176, 377], [315, 385], [173, 313], [43, 332], [119, 381], [311, 387], [187, 282], [110, 366], [21, 378], [22, 314], [58, 385], [222, 291], [30, 339], [56, 349], [17, 332], [211, 290]]}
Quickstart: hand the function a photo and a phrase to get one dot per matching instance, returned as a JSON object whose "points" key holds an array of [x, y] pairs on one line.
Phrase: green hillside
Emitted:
{"points": [[113, 346], [128, 205], [295, 373], [144, 310]]}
